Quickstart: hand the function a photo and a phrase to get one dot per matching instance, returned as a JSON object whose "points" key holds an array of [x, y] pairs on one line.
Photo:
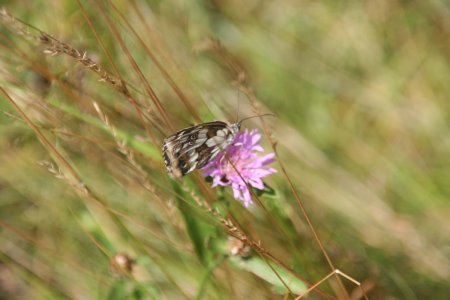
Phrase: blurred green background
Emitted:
{"points": [[360, 90]]}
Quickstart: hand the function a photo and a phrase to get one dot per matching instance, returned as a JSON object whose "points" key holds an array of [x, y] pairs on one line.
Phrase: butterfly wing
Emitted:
{"points": [[192, 148]]}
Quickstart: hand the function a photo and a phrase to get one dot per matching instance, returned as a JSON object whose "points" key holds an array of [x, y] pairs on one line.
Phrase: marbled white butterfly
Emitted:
{"points": [[193, 147]]}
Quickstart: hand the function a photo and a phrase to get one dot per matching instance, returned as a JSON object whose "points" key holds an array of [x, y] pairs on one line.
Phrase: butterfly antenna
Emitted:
{"points": [[238, 104], [263, 115]]}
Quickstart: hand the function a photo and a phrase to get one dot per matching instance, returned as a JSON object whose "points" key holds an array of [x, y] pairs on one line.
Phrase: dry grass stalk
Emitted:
{"points": [[55, 47], [15, 25], [129, 154]]}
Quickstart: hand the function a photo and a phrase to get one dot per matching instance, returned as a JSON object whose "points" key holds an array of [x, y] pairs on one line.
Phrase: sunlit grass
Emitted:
{"points": [[360, 93]]}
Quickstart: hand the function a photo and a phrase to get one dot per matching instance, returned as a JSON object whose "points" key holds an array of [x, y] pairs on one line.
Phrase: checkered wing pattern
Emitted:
{"points": [[192, 148]]}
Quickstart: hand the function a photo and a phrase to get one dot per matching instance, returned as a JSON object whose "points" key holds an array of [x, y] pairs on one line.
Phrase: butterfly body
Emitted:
{"points": [[193, 147]]}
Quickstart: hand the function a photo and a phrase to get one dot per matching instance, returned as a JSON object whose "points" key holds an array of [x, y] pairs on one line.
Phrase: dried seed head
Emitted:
{"points": [[237, 247], [122, 264]]}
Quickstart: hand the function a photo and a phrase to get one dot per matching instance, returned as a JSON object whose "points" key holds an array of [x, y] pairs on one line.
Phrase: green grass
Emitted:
{"points": [[360, 93]]}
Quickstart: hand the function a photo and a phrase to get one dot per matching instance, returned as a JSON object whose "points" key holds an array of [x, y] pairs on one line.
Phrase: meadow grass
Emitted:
{"points": [[358, 209]]}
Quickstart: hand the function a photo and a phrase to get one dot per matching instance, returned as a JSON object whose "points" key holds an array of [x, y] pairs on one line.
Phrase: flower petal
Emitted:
{"points": [[240, 163], [256, 183]]}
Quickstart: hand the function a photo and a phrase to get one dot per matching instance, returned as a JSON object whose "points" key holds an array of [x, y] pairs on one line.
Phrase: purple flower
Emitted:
{"points": [[250, 165]]}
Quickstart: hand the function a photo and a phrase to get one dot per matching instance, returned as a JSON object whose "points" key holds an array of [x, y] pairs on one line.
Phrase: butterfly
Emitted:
{"points": [[194, 147]]}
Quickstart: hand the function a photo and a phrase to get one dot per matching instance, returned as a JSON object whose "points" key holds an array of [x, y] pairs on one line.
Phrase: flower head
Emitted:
{"points": [[241, 156]]}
